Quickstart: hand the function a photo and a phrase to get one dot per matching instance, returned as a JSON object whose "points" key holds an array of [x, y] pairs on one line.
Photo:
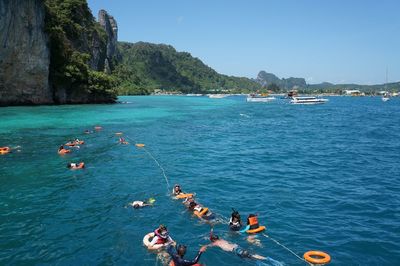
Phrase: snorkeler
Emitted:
{"points": [[76, 165], [177, 190], [177, 255], [161, 236], [140, 204], [252, 225], [235, 223], [200, 211], [230, 247]]}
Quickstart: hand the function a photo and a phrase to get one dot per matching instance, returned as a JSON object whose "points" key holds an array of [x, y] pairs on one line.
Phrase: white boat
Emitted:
{"points": [[194, 94], [385, 97], [259, 98], [308, 100], [217, 96], [385, 93]]}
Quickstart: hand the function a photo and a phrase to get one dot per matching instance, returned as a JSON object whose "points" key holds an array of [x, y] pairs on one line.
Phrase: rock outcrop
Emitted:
{"points": [[24, 53], [266, 79], [109, 24], [52, 52]]}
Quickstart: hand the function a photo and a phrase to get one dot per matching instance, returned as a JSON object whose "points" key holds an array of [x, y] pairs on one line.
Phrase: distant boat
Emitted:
{"points": [[194, 94], [259, 98], [217, 96], [308, 100], [386, 95]]}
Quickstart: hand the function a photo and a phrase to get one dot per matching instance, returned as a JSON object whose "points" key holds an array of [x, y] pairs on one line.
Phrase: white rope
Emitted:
{"points": [[288, 249], [160, 166], [156, 161]]}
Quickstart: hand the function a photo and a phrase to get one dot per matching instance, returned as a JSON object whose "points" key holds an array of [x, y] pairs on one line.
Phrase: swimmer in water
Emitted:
{"points": [[177, 190], [161, 236], [140, 204], [230, 247], [180, 251], [235, 223]]}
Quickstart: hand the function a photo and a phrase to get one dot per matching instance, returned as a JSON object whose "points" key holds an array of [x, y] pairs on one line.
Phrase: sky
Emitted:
{"points": [[338, 41]]}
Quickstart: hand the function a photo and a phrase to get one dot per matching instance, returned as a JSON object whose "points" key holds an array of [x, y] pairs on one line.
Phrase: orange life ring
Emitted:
{"points": [[323, 258], [257, 230], [4, 150], [139, 145], [70, 144], [200, 214], [184, 195]]}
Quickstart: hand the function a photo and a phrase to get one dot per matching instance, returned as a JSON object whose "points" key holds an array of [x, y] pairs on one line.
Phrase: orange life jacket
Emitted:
{"points": [[253, 222]]}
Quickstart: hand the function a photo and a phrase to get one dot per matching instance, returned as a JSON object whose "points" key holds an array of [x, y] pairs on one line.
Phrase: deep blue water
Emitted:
{"points": [[322, 177]]}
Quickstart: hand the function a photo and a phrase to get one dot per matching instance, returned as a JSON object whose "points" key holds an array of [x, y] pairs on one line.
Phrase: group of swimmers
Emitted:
{"points": [[63, 150], [161, 241]]}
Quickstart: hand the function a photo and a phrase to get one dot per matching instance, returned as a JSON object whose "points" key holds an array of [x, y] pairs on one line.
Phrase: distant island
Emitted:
{"points": [[55, 52]]}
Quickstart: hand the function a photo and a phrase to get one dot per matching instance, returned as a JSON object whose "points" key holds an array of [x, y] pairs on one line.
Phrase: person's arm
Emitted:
{"points": [[154, 241], [183, 262], [245, 229]]}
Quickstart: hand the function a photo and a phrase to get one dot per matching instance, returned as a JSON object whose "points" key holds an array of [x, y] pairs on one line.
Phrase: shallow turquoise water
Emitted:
{"points": [[320, 177]]}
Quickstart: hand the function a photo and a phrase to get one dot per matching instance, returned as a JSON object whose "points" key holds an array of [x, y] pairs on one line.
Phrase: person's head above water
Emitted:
{"points": [[235, 214], [162, 230], [136, 206], [181, 250], [177, 188]]}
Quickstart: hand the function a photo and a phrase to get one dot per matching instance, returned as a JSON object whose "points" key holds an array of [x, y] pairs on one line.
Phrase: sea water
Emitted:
{"points": [[321, 177]]}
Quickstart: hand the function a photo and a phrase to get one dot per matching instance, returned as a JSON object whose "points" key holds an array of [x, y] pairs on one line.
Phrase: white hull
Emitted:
{"points": [[260, 99], [217, 96], [308, 100]]}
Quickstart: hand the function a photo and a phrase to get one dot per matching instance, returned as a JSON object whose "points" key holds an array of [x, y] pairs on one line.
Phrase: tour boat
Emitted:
{"points": [[217, 96], [259, 98], [308, 100]]}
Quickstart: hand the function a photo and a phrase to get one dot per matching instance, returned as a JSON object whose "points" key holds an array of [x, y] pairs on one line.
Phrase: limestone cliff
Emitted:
{"points": [[24, 53], [109, 24], [54, 52]]}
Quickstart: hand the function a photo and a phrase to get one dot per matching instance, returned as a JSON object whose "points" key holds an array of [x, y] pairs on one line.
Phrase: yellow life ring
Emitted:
{"points": [[322, 257], [257, 230], [184, 195], [118, 133], [147, 240], [139, 145]]}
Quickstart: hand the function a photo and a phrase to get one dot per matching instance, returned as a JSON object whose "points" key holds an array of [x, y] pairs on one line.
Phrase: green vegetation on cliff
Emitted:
{"points": [[77, 49], [145, 67]]}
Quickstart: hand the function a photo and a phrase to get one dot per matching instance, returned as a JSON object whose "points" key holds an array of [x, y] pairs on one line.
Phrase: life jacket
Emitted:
{"points": [[235, 226], [160, 239], [253, 222]]}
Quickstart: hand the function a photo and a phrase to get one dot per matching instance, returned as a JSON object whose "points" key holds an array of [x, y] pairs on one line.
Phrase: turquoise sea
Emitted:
{"points": [[323, 177]]}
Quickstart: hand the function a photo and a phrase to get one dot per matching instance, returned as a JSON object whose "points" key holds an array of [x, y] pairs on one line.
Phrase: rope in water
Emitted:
{"points": [[288, 249], [168, 187], [156, 161]]}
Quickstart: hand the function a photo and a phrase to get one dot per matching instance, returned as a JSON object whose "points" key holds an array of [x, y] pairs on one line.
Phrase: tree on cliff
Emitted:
{"points": [[75, 37]]}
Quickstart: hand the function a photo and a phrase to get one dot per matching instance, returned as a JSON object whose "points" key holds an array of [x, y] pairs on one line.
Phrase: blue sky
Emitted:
{"points": [[337, 41]]}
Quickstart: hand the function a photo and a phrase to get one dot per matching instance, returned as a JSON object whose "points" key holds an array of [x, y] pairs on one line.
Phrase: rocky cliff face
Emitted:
{"points": [[24, 53], [51, 50], [109, 24], [266, 79]]}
